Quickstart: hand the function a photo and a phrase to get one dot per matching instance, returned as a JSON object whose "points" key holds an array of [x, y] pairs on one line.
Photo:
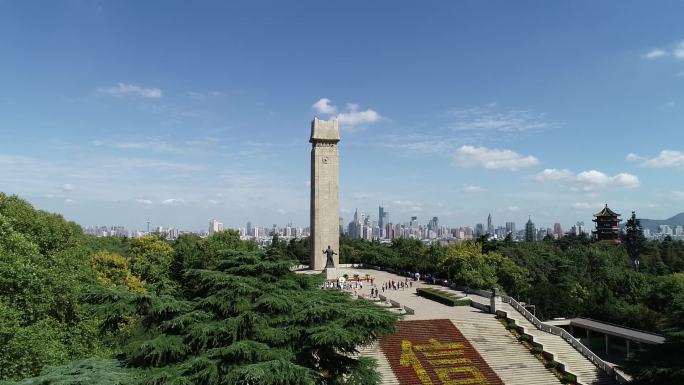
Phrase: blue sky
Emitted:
{"points": [[115, 111]]}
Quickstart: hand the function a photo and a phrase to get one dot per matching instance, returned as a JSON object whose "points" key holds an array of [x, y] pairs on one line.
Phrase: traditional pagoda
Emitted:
{"points": [[607, 225]]}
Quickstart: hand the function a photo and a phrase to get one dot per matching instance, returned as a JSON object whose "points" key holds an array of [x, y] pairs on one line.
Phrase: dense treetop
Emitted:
{"points": [[76, 309], [142, 311]]}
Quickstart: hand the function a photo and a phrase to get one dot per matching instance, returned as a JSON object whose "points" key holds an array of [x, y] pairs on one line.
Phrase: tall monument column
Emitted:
{"points": [[325, 192]]}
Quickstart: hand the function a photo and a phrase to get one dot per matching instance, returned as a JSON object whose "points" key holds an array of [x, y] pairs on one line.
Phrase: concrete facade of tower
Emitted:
{"points": [[325, 191]]}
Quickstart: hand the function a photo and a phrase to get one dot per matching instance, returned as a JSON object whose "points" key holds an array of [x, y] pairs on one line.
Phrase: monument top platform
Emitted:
{"points": [[324, 130]]}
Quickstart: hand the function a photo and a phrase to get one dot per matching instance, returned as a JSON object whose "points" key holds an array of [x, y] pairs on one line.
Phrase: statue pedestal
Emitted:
{"points": [[330, 273]]}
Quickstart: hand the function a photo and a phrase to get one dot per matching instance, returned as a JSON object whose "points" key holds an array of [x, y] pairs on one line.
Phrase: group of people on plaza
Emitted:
{"points": [[375, 291], [343, 285], [397, 285]]}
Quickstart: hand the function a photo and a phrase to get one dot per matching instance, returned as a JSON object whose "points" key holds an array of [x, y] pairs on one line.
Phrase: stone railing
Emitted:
{"points": [[588, 354]]}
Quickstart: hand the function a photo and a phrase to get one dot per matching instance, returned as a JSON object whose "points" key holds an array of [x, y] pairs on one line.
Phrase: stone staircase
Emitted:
{"points": [[383, 368], [572, 360], [511, 361]]}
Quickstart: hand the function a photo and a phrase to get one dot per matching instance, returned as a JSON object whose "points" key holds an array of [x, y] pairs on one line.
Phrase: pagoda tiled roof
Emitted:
{"points": [[606, 212]]}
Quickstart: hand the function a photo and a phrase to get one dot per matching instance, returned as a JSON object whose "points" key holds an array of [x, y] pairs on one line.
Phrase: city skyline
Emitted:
{"points": [[144, 117]]}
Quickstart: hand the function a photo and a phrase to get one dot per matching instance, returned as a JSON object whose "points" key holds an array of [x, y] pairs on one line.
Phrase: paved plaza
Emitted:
{"points": [[424, 308], [511, 361]]}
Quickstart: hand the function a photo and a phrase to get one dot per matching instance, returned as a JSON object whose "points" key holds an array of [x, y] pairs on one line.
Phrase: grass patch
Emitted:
{"points": [[442, 297]]}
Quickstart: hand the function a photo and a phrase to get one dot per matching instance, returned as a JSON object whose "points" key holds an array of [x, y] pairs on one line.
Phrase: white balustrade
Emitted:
{"points": [[591, 356]]}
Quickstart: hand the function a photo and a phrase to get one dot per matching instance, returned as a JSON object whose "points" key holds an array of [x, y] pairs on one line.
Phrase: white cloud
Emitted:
{"points": [[513, 208], [323, 106], [418, 144], [588, 180], [631, 157], [213, 201], [666, 159], [400, 203], [678, 51], [152, 145], [351, 117], [592, 178], [470, 156], [68, 200], [144, 201], [355, 117], [123, 89], [678, 195], [472, 189], [172, 201], [654, 54], [552, 174], [68, 187], [494, 118], [586, 205]]}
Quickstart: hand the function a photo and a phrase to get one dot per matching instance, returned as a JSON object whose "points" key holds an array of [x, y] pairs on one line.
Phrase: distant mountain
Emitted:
{"points": [[652, 224]]}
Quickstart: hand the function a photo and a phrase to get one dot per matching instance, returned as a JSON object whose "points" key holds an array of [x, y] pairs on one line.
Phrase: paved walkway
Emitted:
{"points": [[511, 361]]}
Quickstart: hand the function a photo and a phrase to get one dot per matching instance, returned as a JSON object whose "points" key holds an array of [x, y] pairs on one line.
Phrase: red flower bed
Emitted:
{"points": [[434, 352]]}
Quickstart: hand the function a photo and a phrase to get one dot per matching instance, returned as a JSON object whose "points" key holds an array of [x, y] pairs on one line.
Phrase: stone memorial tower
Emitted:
{"points": [[325, 192]]}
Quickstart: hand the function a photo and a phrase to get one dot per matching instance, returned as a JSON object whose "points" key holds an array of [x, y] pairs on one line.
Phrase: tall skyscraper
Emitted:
{"points": [[510, 228], [490, 226], [249, 228], [530, 230], [479, 230], [433, 224], [215, 227], [383, 219], [557, 230]]}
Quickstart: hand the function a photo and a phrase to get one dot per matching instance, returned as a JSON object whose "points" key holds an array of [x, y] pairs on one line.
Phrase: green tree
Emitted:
{"points": [[633, 239], [44, 270], [113, 270], [251, 320], [467, 266], [151, 260]]}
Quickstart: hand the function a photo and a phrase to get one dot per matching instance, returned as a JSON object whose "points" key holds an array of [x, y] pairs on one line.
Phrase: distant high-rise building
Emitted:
{"points": [[433, 224], [530, 230], [215, 227], [557, 230], [490, 226], [479, 230], [249, 228], [578, 228], [351, 229], [383, 219], [414, 222], [510, 228]]}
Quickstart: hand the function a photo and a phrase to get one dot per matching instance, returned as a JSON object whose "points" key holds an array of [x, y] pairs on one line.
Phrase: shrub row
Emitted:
{"points": [[442, 297]]}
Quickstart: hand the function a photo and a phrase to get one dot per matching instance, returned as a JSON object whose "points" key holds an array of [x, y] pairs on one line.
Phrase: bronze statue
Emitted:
{"points": [[329, 255]]}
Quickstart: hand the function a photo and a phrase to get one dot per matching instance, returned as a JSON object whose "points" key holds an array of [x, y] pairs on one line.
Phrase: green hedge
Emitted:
{"points": [[442, 297]]}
